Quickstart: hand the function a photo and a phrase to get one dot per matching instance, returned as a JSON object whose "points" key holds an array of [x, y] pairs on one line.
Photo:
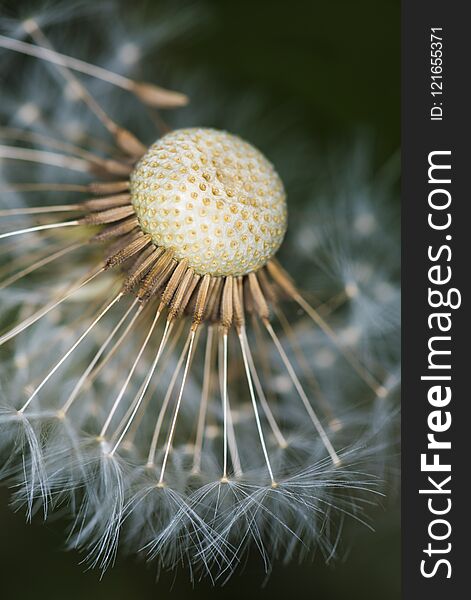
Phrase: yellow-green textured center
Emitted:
{"points": [[212, 198]]}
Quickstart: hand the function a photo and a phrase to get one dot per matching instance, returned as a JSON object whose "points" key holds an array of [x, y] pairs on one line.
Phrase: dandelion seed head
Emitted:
{"points": [[212, 198], [191, 402]]}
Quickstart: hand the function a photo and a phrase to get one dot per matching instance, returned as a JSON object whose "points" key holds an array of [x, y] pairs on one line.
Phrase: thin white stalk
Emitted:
{"points": [[69, 352], [37, 138], [224, 402], [241, 336], [83, 94], [38, 264], [130, 374], [47, 309], [304, 364], [261, 394], [94, 374], [137, 403], [163, 409], [162, 364], [78, 386], [53, 159], [177, 408], [231, 437], [232, 442], [38, 228], [307, 405], [204, 401], [83, 67], [357, 366], [38, 210]]}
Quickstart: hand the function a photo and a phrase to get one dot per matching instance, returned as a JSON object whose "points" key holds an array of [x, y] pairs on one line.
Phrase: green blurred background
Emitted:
{"points": [[333, 66]]}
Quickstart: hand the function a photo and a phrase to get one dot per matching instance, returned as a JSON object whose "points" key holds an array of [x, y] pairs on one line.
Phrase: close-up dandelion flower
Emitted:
{"points": [[178, 382]]}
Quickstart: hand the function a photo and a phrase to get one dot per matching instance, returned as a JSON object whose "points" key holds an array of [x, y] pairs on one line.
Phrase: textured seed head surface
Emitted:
{"points": [[212, 198]]}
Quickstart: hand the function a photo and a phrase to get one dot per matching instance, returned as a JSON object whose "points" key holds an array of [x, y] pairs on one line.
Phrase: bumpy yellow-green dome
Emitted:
{"points": [[212, 198]]}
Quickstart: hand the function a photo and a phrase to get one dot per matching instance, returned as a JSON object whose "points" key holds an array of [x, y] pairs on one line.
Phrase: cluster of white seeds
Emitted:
{"points": [[212, 198]]}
